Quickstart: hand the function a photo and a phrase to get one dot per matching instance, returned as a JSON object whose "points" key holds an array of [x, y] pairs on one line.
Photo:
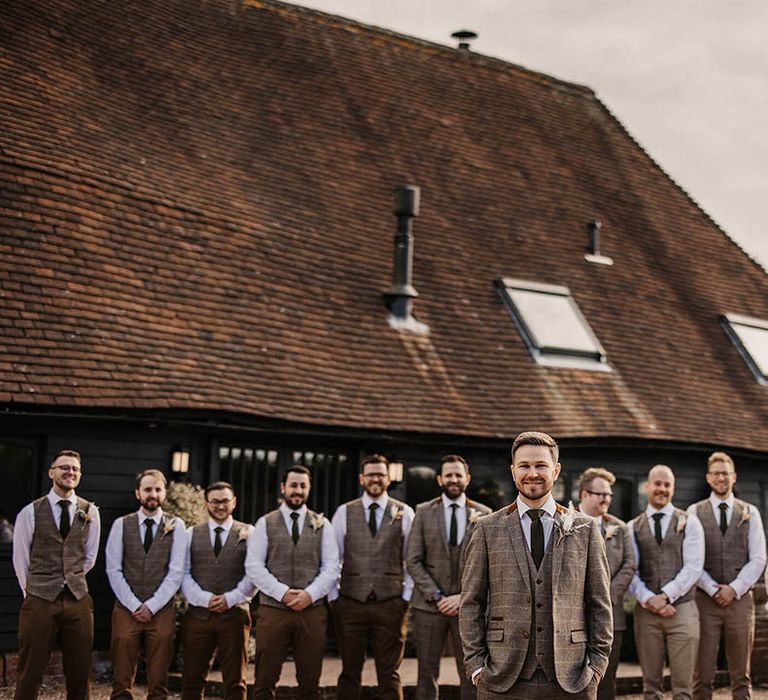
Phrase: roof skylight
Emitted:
{"points": [[750, 336], [552, 326]]}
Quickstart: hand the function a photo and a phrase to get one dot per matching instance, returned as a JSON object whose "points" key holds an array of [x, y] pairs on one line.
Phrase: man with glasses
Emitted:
{"points": [[293, 561], [146, 553], [733, 562], [595, 494], [55, 543], [372, 535], [219, 595]]}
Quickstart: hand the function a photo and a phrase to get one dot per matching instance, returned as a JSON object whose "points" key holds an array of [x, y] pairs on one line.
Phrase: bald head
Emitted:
{"points": [[660, 486]]}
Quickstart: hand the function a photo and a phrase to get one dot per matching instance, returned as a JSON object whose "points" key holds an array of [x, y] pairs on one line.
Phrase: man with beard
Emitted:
{"points": [[146, 553], [436, 546], [372, 534], [55, 543], [595, 494], [734, 559], [669, 550], [535, 615], [293, 561], [219, 594]]}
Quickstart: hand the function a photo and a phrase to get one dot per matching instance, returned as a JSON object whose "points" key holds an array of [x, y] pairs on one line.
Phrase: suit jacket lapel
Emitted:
{"points": [[440, 516], [557, 549], [519, 545]]}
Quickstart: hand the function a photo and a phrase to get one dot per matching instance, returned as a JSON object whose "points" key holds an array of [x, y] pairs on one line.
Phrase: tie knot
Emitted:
{"points": [[454, 506], [723, 507], [373, 506], [657, 516], [148, 522], [294, 516], [63, 503], [218, 529], [534, 514]]}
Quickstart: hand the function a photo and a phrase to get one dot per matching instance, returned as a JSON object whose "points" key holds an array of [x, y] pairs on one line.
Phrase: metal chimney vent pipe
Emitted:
{"points": [[399, 297], [465, 36]]}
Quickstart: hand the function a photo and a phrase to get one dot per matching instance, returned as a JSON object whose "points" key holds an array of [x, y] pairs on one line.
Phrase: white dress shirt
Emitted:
{"points": [[461, 516], [693, 557], [193, 592], [172, 581], [262, 577], [340, 528], [547, 519], [752, 570], [24, 529]]}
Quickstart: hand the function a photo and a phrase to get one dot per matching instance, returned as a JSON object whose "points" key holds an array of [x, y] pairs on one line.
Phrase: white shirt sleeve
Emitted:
{"points": [[245, 590], [693, 561], [256, 563], [91, 546], [23, 530], [172, 581], [637, 587], [114, 567], [192, 591], [408, 516], [751, 571], [329, 564], [705, 582], [339, 522]]}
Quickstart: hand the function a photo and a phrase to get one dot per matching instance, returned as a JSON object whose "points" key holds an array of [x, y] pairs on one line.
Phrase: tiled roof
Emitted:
{"points": [[196, 212]]}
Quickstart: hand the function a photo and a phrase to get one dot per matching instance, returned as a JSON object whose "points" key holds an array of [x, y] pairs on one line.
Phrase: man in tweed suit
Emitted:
{"points": [[669, 550], [535, 613], [595, 494], [439, 537], [293, 561], [734, 559], [146, 554], [219, 593]]}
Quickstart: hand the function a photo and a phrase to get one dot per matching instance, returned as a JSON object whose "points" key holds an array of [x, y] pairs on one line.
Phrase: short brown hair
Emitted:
{"points": [[454, 458], [297, 469], [66, 453], [150, 472], [533, 437], [589, 475], [373, 459], [218, 486], [720, 457]]}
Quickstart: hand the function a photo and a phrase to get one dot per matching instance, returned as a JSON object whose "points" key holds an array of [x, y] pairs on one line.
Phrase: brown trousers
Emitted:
{"points": [[127, 634], [430, 631], [227, 637], [279, 630], [737, 622], [383, 622], [40, 622], [607, 688], [538, 687]]}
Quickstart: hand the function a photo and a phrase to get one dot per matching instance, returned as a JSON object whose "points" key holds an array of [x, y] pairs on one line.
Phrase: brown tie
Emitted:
{"points": [[537, 536]]}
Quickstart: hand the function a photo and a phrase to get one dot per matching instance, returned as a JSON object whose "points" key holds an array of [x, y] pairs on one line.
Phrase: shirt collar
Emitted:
{"points": [[156, 518], [226, 525], [381, 501], [715, 500], [286, 511], [54, 497], [549, 507], [666, 510], [461, 501], [599, 518]]}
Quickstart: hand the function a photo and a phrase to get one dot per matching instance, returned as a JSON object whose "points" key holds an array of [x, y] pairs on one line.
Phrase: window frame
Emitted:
{"points": [[730, 322]]}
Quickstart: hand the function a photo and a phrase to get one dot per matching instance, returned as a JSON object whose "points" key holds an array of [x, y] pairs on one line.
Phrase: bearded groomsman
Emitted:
{"points": [[146, 556], [669, 549], [219, 594], [535, 614], [55, 543], [436, 547], [595, 495], [372, 535], [294, 562], [734, 560]]}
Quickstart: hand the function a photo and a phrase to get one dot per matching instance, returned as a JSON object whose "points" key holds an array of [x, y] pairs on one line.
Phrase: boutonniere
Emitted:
{"points": [[242, 535], [316, 522], [745, 516], [681, 524], [564, 523], [610, 531], [395, 513], [168, 526], [84, 515], [474, 516]]}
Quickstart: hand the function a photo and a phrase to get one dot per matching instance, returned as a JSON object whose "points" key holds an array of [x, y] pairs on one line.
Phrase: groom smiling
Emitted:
{"points": [[535, 618]]}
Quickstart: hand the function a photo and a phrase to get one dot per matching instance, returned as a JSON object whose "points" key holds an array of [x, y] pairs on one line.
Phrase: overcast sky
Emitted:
{"points": [[687, 78]]}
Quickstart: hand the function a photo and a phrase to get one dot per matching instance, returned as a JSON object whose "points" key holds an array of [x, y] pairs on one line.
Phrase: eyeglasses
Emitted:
{"points": [[68, 468], [220, 501], [717, 475], [600, 494], [376, 475]]}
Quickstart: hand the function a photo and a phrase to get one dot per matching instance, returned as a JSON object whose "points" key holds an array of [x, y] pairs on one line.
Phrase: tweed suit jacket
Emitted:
{"points": [[428, 559], [621, 564], [496, 609]]}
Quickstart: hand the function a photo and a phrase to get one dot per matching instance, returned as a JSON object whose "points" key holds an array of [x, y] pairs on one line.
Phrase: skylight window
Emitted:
{"points": [[552, 326], [750, 336]]}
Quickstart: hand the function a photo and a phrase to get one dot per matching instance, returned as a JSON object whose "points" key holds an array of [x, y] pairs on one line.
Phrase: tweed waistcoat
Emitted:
{"points": [[725, 554], [145, 571], [541, 648], [615, 553], [55, 563], [220, 574], [294, 565], [660, 563], [373, 565]]}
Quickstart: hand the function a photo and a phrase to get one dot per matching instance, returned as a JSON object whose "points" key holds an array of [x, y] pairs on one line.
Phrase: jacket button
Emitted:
{"points": [[539, 581], [538, 605], [539, 629], [525, 635]]}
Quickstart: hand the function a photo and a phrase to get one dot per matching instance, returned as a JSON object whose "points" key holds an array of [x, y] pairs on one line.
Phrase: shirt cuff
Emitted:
{"points": [[738, 588], [476, 673], [671, 597]]}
